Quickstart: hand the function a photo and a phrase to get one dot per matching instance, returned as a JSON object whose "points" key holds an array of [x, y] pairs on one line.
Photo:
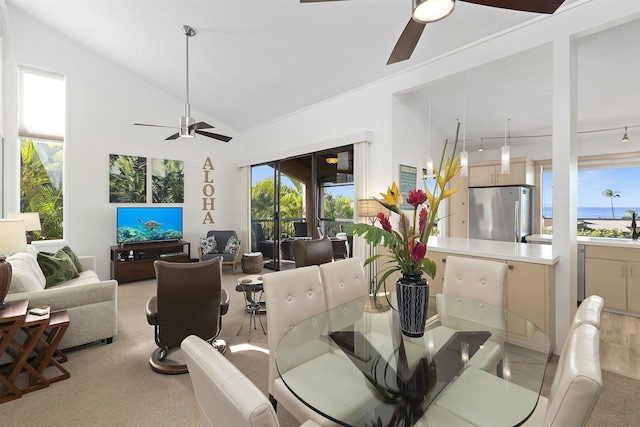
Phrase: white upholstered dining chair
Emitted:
{"points": [[574, 391], [481, 284], [225, 396], [293, 296]]}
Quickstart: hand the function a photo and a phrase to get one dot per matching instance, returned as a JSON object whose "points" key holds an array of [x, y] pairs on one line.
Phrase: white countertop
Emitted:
{"points": [[583, 240], [509, 251]]}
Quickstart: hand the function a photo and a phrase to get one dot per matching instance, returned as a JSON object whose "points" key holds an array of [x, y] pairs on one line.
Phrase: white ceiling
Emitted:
{"points": [[253, 61]]}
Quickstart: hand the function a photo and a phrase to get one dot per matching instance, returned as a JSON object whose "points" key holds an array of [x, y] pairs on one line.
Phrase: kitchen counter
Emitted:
{"points": [[509, 251], [583, 240]]}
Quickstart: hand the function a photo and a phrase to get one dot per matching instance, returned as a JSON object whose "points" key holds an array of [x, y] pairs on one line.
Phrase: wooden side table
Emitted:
{"points": [[46, 350], [11, 318], [33, 327]]}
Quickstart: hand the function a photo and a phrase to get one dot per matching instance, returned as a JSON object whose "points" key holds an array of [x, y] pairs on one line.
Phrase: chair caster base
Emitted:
{"points": [[165, 366]]}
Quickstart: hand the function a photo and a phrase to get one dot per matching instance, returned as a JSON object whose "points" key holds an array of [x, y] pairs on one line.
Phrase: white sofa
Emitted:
{"points": [[90, 302]]}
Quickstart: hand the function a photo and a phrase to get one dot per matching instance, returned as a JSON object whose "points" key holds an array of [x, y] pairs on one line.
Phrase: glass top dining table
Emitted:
{"points": [[353, 365]]}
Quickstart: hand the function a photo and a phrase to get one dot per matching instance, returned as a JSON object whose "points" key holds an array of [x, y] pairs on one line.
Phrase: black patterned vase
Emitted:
{"points": [[413, 298]]}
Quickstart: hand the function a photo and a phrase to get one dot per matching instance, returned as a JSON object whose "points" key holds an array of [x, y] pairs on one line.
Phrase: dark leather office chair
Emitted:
{"points": [[312, 252], [300, 229], [262, 245], [189, 300]]}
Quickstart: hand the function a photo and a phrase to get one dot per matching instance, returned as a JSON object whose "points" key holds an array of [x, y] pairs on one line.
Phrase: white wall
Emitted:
{"points": [[103, 101]]}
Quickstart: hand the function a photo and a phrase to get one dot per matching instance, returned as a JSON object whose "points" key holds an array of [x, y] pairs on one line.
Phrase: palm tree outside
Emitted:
{"points": [[611, 194]]}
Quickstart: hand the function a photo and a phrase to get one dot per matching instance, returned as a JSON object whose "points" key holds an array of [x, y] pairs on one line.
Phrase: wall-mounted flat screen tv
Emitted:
{"points": [[148, 223]]}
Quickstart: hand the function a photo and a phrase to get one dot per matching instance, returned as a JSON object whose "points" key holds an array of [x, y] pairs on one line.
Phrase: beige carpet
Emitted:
{"points": [[112, 385]]}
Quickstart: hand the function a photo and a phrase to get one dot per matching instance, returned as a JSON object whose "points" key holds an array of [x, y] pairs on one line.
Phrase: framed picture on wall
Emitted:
{"points": [[127, 179], [167, 181]]}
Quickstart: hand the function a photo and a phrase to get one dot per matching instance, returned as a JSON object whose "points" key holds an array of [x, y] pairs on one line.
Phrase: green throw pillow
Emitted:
{"points": [[67, 250], [56, 267]]}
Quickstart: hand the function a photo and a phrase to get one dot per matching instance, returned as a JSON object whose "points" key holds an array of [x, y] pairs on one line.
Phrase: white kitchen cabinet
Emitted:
{"points": [[633, 286], [486, 175], [614, 274]]}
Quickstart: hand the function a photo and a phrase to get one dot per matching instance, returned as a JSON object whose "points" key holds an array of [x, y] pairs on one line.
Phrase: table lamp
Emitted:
{"points": [[369, 208], [11, 241], [31, 222]]}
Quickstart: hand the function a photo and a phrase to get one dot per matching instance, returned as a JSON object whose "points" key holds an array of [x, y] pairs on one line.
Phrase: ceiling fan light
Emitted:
{"points": [[432, 10], [186, 123], [332, 160]]}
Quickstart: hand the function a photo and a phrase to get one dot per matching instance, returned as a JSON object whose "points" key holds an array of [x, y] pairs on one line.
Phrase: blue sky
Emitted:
{"points": [[591, 184]]}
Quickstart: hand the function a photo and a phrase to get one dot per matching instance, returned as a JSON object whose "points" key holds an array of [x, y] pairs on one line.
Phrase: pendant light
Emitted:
{"points": [[625, 137], [505, 159], [464, 156], [429, 157]]}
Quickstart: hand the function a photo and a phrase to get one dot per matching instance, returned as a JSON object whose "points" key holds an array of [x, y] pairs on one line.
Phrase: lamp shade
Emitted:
{"points": [[31, 220], [12, 236], [369, 208]]}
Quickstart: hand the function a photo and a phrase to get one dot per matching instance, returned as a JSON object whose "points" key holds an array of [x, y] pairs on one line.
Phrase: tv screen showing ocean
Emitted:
{"points": [[596, 212]]}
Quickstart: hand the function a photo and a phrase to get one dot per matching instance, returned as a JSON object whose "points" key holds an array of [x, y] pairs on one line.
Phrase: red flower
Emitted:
{"points": [[418, 252], [384, 221], [423, 220], [416, 197]]}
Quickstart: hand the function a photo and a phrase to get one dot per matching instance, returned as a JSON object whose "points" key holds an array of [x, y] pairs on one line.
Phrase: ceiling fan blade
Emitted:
{"points": [[407, 42], [201, 125], [214, 135], [538, 6], [174, 136], [155, 126]]}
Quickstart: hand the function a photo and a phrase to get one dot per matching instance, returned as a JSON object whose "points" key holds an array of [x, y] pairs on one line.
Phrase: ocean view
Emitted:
{"points": [[595, 212]]}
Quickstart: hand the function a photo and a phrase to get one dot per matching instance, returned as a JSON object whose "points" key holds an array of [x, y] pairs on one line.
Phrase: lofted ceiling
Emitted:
{"points": [[253, 61]]}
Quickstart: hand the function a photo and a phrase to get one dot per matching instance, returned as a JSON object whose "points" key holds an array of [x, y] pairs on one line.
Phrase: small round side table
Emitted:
{"points": [[252, 263], [251, 287]]}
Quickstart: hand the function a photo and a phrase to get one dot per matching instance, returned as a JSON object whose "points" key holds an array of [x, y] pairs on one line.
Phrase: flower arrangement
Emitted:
{"points": [[408, 244]]}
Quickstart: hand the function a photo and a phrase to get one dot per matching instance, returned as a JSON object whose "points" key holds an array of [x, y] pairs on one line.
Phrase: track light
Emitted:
{"points": [[625, 138], [432, 10]]}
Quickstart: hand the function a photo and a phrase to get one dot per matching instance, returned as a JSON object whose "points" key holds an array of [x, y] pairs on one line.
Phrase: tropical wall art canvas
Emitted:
{"points": [[127, 179], [167, 181]]}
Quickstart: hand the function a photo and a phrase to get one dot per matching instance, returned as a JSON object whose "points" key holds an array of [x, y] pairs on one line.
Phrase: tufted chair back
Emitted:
{"points": [[578, 379], [225, 396], [292, 296], [312, 252], [343, 281], [476, 279]]}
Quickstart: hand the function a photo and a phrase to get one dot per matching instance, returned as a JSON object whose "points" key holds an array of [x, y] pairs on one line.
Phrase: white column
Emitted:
{"points": [[565, 186]]}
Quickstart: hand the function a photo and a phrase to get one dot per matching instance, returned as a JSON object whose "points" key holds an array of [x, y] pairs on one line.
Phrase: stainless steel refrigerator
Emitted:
{"points": [[500, 213]]}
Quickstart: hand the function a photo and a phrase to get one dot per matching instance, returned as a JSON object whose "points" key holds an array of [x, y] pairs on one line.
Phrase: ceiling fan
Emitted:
{"points": [[425, 11], [188, 126]]}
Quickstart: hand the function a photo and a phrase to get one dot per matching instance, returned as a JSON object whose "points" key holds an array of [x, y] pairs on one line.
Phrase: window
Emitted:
{"points": [[607, 198], [42, 100]]}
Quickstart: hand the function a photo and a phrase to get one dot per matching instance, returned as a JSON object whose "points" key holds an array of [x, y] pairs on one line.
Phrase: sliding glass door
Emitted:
{"points": [[298, 198]]}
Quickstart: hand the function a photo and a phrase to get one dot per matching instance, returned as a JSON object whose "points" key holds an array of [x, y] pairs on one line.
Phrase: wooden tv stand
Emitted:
{"points": [[132, 262]]}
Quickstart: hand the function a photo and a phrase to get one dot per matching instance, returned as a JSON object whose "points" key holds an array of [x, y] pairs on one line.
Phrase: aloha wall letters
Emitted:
{"points": [[208, 190]]}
